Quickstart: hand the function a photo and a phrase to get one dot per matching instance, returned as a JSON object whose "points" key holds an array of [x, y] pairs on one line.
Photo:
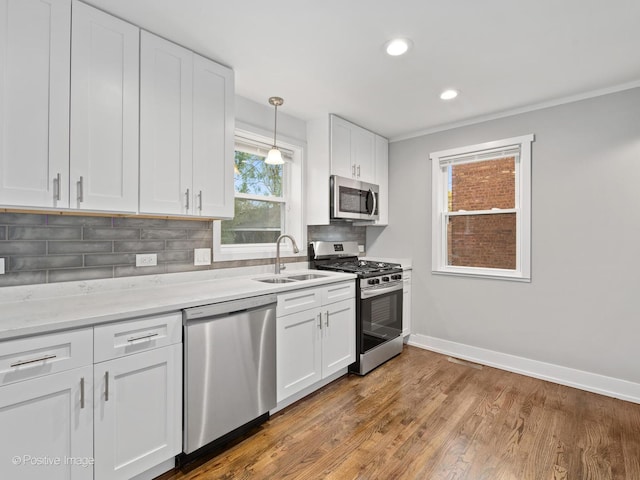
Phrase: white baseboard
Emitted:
{"points": [[591, 382]]}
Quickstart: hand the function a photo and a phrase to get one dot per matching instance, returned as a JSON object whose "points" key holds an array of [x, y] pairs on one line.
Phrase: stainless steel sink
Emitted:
{"points": [[274, 280], [306, 276]]}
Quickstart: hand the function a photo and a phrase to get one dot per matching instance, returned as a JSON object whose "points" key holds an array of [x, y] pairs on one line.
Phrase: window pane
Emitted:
{"points": [[482, 241], [482, 185], [255, 221], [252, 175]]}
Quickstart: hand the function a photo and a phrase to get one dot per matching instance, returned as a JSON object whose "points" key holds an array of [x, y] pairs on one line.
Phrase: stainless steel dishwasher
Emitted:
{"points": [[229, 367]]}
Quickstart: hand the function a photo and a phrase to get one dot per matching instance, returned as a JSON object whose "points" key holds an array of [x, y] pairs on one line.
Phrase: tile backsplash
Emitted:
{"points": [[40, 248]]}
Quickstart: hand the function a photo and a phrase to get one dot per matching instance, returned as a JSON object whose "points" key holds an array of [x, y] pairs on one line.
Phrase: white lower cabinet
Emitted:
{"points": [[406, 303], [316, 336], [137, 412]]}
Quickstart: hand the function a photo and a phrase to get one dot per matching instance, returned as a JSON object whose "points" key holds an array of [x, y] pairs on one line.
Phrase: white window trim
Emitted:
{"points": [[522, 209], [294, 214]]}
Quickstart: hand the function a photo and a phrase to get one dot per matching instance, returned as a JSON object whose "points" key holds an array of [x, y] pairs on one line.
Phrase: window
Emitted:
{"points": [[267, 201], [481, 217]]}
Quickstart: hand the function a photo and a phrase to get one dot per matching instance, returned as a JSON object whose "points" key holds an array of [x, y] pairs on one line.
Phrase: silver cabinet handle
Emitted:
{"points": [[353, 170], [26, 362], [80, 185], [375, 203], [133, 339], [358, 171], [82, 392], [200, 201], [187, 201], [320, 320], [56, 187], [106, 386], [327, 322]]}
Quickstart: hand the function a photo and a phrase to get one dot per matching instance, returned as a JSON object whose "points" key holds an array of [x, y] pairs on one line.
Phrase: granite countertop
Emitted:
{"points": [[43, 314]]}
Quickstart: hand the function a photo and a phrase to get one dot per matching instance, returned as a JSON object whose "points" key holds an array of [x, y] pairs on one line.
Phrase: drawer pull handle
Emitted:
{"points": [[82, 392], [106, 386], [320, 320], [26, 362], [134, 339], [327, 323]]}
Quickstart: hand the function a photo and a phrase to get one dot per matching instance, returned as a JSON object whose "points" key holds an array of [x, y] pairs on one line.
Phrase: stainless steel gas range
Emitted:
{"points": [[378, 301]]}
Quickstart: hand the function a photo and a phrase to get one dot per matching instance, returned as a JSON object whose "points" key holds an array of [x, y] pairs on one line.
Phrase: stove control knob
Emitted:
{"points": [[385, 279], [377, 280], [396, 277], [372, 281]]}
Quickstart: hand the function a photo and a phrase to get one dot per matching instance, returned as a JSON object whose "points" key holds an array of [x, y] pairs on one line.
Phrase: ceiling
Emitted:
{"points": [[327, 55]]}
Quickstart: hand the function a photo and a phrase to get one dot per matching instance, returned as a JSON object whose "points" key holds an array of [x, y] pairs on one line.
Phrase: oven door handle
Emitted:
{"points": [[375, 291]]}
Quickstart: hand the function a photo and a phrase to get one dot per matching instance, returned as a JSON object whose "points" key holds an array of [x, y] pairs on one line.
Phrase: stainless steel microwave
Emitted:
{"points": [[353, 199]]}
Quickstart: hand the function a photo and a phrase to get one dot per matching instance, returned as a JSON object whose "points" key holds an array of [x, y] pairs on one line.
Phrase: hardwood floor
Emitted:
{"points": [[421, 416]]}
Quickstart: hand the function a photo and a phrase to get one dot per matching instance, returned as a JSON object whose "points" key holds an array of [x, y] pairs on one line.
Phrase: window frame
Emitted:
{"points": [[439, 211], [292, 197]]}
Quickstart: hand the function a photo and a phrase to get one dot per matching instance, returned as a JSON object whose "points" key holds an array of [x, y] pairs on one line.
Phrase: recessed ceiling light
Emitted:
{"points": [[397, 46], [449, 94]]}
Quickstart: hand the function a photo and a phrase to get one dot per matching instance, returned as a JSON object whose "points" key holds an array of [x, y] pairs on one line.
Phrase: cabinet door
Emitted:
{"points": [[138, 412], [406, 304], [104, 111], [299, 356], [213, 138], [339, 336], [363, 147], [47, 427], [166, 113], [341, 148], [382, 179], [35, 36]]}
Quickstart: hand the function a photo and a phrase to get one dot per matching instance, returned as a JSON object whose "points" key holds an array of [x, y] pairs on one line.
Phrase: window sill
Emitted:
{"points": [[488, 274]]}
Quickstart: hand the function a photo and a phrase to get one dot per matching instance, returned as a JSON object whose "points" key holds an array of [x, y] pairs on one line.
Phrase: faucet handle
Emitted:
{"points": [[283, 266]]}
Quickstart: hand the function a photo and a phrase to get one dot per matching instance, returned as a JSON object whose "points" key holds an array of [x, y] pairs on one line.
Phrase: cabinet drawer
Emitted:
{"points": [[338, 291], [298, 301], [125, 338], [40, 355]]}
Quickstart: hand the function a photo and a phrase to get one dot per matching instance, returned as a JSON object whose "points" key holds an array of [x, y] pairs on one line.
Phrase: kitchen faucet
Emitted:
{"points": [[295, 250]]}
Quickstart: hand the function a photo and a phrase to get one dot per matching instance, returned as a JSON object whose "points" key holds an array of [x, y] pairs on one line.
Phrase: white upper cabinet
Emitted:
{"points": [[104, 111], [352, 151], [382, 179], [186, 132], [34, 102]]}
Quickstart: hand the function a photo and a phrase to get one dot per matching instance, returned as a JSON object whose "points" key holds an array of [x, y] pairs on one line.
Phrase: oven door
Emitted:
{"points": [[380, 315]]}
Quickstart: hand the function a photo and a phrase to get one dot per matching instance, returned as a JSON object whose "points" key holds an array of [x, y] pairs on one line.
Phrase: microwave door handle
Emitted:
{"points": [[375, 203]]}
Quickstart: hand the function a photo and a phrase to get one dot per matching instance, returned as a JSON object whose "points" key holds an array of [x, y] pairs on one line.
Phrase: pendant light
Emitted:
{"points": [[274, 157]]}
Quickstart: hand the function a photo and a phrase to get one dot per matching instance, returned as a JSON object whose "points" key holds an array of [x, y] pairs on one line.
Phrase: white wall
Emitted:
{"points": [[582, 308]]}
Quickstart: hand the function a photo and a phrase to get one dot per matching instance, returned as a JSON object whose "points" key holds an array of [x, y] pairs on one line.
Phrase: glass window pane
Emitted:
{"points": [[252, 175], [482, 241], [255, 221], [482, 185]]}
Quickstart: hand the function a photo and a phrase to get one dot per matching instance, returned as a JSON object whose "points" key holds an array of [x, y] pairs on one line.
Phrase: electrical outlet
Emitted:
{"points": [[202, 256], [146, 260], [1, 266], [361, 248]]}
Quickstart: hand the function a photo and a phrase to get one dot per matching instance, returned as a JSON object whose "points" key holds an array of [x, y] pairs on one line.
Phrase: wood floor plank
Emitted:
{"points": [[420, 416]]}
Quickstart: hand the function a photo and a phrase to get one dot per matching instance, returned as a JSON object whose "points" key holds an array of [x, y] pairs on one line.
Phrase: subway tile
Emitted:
{"points": [[22, 219], [129, 271], [44, 233], [139, 222], [23, 248], [188, 244], [175, 256], [150, 246], [80, 247], [190, 224], [78, 220], [164, 233], [200, 234], [98, 233], [94, 260], [22, 278], [44, 262], [185, 267], [75, 274]]}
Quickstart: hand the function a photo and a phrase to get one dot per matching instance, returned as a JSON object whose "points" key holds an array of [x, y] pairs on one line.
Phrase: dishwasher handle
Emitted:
{"points": [[228, 308]]}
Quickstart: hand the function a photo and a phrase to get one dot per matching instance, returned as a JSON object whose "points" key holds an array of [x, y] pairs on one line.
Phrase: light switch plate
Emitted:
{"points": [[146, 260], [202, 256], [1, 266]]}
